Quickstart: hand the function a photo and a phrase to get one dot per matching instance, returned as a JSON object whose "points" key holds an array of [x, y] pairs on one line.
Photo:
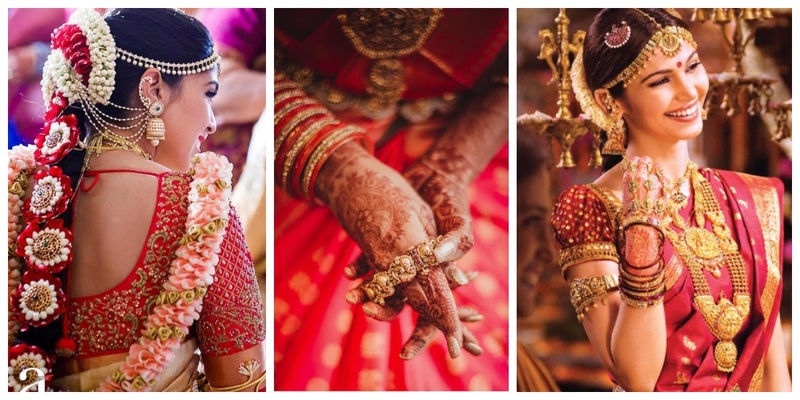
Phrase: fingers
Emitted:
{"points": [[440, 308], [383, 313], [455, 243], [357, 295], [358, 268], [423, 335], [468, 314], [470, 343], [455, 276]]}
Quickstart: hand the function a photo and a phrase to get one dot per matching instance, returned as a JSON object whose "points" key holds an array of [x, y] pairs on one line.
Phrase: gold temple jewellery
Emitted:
{"points": [[584, 293], [702, 250], [403, 269]]}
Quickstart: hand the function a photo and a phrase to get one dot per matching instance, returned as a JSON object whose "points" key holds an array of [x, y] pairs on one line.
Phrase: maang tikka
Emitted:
{"points": [[155, 131]]}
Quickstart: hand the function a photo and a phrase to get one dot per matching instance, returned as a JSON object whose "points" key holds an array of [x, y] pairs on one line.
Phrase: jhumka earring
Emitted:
{"points": [[155, 131], [616, 133]]}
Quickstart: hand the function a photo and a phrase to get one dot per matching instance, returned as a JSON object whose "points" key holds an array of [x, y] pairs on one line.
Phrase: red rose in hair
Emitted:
{"points": [[56, 139], [72, 42], [50, 196], [55, 106]]}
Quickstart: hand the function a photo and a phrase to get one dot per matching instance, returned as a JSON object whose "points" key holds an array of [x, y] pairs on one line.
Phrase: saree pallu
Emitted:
{"points": [[324, 343], [753, 211]]}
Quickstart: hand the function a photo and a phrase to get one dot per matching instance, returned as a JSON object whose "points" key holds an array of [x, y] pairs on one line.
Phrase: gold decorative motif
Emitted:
{"points": [[37, 298], [689, 343], [385, 35], [723, 318], [585, 292], [389, 32], [668, 39]]}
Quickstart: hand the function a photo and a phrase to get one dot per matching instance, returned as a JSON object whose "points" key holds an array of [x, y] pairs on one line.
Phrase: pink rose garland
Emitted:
{"points": [[20, 165], [179, 304]]}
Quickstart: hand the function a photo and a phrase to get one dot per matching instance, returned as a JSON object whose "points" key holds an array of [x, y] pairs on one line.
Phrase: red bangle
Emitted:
{"points": [[306, 152], [287, 144]]}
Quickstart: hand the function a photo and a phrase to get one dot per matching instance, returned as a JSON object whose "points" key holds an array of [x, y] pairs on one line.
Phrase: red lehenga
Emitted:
{"points": [[321, 341], [108, 323], [585, 224]]}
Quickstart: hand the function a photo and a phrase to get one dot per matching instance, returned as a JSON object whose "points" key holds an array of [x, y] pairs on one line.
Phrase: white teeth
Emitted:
{"points": [[684, 113]]}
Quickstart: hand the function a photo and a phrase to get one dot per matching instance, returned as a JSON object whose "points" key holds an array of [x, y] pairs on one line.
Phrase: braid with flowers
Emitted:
{"points": [[84, 85]]}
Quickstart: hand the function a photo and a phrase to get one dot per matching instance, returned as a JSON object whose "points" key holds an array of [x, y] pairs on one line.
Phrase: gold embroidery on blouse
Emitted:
{"points": [[766, 202], [113, 321], [610, 201], [587, 252], [238, 303]]}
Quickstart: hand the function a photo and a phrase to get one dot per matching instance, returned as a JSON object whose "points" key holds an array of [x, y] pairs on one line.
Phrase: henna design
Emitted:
{"points": [[641, 246]]}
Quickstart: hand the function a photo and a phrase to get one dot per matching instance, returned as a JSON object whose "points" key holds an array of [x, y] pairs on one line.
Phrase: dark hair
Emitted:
{"points": [[533, 154], [167, 35], [603, 63]]}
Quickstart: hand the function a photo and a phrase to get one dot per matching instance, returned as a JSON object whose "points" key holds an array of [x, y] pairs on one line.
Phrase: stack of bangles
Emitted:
{"points": [[306, 134], [404, 268], [639, 287]]}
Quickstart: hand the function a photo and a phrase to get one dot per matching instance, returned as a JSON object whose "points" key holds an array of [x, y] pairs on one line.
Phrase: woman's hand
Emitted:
{"points": [[643, 207], [385, 216]]}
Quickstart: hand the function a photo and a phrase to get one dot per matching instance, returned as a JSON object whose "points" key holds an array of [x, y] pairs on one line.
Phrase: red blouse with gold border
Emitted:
{"points": [[231, 320]]}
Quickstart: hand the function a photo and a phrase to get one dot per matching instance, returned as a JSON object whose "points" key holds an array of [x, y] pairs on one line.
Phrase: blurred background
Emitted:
{"points": [[742, 142]]}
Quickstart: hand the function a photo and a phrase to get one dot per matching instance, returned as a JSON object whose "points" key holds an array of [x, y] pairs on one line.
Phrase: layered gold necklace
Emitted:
{"points": [[702, 250], [110, 141]]}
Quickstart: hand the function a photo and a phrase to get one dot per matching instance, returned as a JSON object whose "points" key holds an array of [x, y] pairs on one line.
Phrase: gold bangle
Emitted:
{"points": [[584, 292], [321, 149], [296, 120], [305, 136]]}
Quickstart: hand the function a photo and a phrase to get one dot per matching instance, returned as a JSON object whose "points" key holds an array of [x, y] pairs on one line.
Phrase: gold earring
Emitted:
{"points": [[155, 131], [615, 143]]}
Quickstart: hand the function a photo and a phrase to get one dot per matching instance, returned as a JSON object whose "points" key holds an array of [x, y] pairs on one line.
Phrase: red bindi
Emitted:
{"points": [[679, 64]]}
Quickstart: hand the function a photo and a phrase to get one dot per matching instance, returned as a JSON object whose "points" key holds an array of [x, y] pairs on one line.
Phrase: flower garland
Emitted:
{"points": [[20, 165], [81, 65], [178, 306]]}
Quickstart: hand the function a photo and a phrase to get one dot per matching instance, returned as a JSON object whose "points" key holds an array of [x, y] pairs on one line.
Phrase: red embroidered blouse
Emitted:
{"points": [[232, 317]]}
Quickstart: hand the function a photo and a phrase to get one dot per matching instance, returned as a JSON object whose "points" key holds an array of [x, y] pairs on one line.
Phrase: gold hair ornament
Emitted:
{"points": [[668, 39]]}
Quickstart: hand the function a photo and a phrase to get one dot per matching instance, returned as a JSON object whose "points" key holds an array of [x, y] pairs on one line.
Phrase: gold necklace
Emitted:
{"points": [[701, 249], [107, 141]]}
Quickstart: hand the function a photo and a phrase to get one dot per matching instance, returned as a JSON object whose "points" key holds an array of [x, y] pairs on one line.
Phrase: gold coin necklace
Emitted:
{"points": [[703, 250]]}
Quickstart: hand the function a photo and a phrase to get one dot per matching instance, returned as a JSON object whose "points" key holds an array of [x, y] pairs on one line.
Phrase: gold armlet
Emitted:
{"points": [[586, 292], [248, 369]]}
